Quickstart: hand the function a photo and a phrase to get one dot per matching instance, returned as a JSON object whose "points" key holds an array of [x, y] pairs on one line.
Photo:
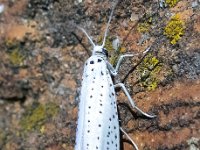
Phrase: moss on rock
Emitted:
{"points": [[171, 3], [34, 118], [174, 29], [149, 70]]}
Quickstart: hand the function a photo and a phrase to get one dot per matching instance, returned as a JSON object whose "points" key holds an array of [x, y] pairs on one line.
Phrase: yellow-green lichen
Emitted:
{"points": [[2, 137], [15, 52], [108, 43], [148, 71], [145, 26], [16, 57], [35, 118], [174, 29], [171, 3], [116, 54]]}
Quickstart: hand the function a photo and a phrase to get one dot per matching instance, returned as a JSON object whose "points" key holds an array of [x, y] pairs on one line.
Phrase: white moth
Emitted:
{"points": [[98, 125]]}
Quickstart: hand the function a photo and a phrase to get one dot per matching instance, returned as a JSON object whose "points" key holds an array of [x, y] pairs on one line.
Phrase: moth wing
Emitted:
{"points": [[98, 125]]}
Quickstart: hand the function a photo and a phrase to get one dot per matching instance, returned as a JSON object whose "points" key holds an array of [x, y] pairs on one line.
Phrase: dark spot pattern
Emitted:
{"points": [[99, 60], [101, 103]]}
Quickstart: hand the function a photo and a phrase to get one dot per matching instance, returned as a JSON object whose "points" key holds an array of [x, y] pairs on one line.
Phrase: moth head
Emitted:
{"points": [[100, 50]]}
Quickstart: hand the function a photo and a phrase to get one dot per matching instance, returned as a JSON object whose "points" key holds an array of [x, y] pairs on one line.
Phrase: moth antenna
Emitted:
{"points": [[106, 32], [90, 39]]}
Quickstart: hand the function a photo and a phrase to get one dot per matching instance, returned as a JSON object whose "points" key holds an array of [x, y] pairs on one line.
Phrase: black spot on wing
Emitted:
{"points": [[99, 60], [115, 136]]}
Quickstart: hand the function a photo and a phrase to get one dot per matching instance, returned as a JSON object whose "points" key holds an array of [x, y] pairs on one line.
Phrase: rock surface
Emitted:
{"points": [[41, 64]]}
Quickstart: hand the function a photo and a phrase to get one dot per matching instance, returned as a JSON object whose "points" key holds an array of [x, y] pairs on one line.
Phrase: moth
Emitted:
{"points": [[98, 124]]}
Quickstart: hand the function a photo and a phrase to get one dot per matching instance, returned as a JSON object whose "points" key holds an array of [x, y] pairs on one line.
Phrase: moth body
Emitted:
{"points": [[98, 126]]}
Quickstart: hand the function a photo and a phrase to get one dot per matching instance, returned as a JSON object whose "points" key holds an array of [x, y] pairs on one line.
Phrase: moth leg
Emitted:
{"points": [[120, 60], [113, 70], [127, 55], [121, 85], [129, 138]]}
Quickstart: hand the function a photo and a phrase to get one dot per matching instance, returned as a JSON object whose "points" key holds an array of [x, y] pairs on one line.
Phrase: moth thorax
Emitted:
{"points": [[98, 49]]}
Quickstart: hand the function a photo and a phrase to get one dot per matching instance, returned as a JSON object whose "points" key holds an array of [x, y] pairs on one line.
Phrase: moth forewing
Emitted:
{"points": [[98, 124]]}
